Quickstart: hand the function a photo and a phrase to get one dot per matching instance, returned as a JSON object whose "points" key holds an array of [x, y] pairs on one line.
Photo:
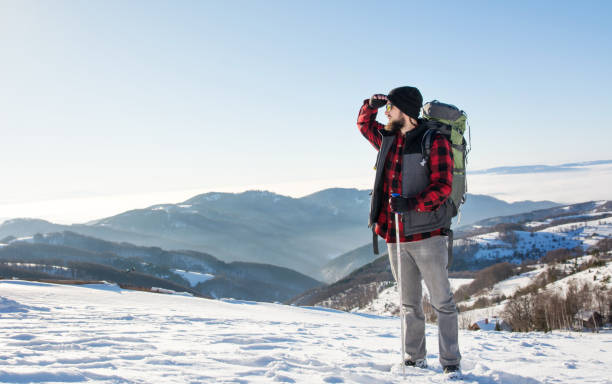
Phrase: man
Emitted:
{"points": [[424, 186]]}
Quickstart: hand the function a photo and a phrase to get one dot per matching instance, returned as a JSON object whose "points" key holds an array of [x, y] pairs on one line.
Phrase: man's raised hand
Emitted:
{"points": [[378, 100]]}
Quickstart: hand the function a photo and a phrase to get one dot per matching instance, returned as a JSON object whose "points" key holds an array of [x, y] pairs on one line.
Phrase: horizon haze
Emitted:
{"points": [[563, 184]]}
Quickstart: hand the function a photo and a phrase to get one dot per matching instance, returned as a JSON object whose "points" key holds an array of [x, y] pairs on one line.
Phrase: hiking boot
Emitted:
{"points": [[452, 371], [418, 363]]}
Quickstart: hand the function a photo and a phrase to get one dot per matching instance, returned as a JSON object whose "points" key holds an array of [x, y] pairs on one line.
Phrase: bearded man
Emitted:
{"points": [[421, 186]]}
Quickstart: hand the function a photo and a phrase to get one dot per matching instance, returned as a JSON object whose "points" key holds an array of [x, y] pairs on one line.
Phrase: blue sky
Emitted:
{"points": [[108, 98]]}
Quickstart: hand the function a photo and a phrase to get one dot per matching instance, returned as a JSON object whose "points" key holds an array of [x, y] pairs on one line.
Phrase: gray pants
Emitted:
{"points": [[427, 259]]}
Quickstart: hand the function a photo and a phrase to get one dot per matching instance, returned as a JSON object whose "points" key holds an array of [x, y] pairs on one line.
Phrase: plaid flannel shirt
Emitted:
{"points": [[438, 190]]}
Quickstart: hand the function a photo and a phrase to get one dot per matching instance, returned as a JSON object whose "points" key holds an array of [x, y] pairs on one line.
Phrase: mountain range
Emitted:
{"points": [[303, 234], [70, 255]]}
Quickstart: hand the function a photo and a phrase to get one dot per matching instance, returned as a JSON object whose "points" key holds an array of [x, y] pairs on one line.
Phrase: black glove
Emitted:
{"points": [[378, 100], [402, 204]]}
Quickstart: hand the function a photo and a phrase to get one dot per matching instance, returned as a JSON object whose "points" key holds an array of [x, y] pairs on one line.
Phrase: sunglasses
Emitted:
{"points": [[388, 107]]}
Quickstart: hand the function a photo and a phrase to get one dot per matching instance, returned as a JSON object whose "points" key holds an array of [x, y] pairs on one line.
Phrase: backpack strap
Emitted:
{"points": [[435, 128], [427, 141], [374, 240]]}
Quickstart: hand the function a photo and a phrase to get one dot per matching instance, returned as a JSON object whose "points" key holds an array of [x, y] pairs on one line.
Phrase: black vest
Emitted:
{"points": [[415, 178]]}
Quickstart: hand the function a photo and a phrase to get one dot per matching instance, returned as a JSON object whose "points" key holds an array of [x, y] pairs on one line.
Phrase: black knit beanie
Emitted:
{"points": [[407, 99]]}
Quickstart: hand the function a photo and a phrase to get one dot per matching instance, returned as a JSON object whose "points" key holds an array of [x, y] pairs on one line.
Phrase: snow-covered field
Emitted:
{"points": [[102, 334], [588, 232], [580, 234]]}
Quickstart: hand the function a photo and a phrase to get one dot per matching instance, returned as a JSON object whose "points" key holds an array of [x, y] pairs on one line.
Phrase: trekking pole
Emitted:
{"points": [[399, 284]]}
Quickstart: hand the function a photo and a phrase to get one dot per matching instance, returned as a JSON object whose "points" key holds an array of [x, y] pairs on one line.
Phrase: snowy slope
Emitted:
{"points": [[194, 278], [515, 245], [592, 275], [509, 286], [492, 247], [102, 334], [387, 302], [596, 275], [587, 232]]}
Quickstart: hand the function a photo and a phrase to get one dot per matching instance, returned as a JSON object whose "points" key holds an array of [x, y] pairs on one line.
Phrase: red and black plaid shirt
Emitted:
{"points": [[438, 190]]}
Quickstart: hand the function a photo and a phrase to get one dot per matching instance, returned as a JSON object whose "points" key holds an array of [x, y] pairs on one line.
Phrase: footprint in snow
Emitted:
{"points": [[23, 337], [570, 364], [262, 347], [333, 379]]}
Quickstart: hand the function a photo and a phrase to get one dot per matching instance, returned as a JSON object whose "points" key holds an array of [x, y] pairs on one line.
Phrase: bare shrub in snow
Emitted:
{"points": [[519, 313], [561, 255], [532, 310]]}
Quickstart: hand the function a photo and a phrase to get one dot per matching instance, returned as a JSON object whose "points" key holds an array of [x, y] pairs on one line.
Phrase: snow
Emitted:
{"points": [[169, 291], [509, 286], [387, 301], [103, 334], [212, 197], [587, 232], [505, 287], [194, 278], [33, 265], [536, 223], [599, 276], [492, 247], [456, 282], [489, 239], [591, 276], [489, 324]]}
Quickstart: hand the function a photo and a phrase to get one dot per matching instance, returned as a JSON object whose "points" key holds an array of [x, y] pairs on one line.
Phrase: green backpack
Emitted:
{"points": [[451, 122]]}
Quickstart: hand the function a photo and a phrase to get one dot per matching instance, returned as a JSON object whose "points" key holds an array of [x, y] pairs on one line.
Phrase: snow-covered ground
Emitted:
{"points": [[493, 247], [588, 232], [102, 334], [509, 286], [33, 265], [387, 302], [194, 278], [593, 213], [599, 276], [584, 234]]}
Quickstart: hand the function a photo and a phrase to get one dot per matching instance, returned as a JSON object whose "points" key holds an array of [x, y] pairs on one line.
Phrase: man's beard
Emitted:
{"points": [[395, 125]]}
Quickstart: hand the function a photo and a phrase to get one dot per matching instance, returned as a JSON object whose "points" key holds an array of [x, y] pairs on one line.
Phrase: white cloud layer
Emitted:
{"points": [[593, 182]]}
